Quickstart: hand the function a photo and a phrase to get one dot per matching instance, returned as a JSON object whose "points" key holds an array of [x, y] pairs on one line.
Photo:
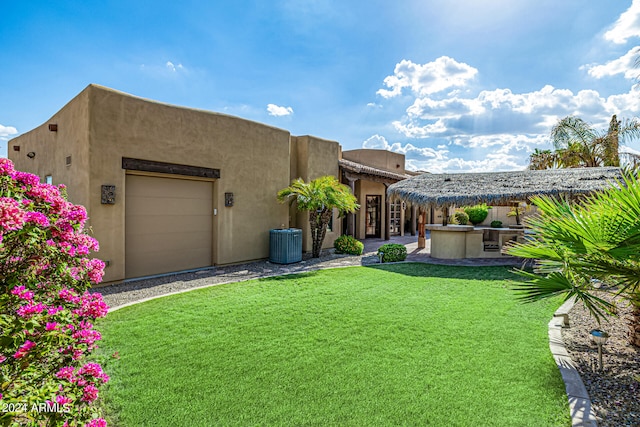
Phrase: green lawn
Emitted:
{"points": [[403, 344]]}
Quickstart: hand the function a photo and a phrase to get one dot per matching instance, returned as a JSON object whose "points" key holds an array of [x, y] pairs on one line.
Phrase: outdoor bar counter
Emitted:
{"points": [[467, 241]]}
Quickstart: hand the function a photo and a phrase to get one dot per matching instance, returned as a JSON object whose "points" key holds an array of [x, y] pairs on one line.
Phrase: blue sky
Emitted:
{"points": [[470, 85]]}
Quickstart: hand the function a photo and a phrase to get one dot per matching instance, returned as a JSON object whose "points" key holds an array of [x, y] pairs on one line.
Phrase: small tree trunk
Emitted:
{"points": [[318, 222], [634, 325]]}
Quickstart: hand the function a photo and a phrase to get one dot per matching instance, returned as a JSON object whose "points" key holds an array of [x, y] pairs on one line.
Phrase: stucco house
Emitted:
{"points": [[170, 188]]}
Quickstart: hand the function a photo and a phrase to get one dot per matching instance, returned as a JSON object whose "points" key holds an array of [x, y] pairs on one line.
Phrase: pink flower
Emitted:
{"points": [[92, 306], [26, 178], [22, 293], [54, 310], [77, 213], [37, 218], [94, 370], [69, 296], [62, 400], [87, 336], [2, 358], [30, 309], [6, 167], [51, 326], [12, 217], [24, 349], [46, 193], [66, 373], [90, 393], [96, 270], [96, 422]]}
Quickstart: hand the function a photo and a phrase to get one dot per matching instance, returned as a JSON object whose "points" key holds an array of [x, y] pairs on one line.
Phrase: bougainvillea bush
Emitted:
{"points": [[46, 311]]}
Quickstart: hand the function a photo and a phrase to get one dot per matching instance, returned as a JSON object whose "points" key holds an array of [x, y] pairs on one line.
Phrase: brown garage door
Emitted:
{"points": [[168, 225]]}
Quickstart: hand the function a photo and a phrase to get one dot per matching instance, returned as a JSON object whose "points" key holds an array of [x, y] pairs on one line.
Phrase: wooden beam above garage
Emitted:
{"points": [[169, 168]]}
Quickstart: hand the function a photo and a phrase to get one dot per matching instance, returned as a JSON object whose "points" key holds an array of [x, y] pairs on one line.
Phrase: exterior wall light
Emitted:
{"points": [[600, 338], [31, 154], [108, 195], [228, 199]]}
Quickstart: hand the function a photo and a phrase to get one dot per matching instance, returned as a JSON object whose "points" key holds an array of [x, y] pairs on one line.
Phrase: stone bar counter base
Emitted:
{"points": [[467, 241]]}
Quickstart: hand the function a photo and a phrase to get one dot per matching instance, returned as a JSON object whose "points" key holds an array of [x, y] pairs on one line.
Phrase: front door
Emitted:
{"points": [[374, 205]]}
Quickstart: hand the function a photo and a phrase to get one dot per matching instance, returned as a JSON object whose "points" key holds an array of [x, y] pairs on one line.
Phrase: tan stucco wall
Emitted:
{"points": [[52, 149], [100, 126], [449, 242], [253, 160], [381, 159], [314, 157]]}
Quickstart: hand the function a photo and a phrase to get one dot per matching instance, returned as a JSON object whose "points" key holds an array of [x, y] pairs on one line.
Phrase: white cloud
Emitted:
{"points": [[488, 130], [6, 132], [629, 101], [376, 142], [173, 68], [491, 163], [627, 25], [506, 153], [624, 65], [413, 130], [503, 143], [276, 110], [433, 77], [502, 111], [165, 70]]}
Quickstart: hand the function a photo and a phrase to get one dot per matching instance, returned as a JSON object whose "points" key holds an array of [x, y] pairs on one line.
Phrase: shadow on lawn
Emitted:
{"points": [[419, 269]]}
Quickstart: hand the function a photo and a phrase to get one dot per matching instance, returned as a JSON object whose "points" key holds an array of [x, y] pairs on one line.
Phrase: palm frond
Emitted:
{"points": [[554, 284]]}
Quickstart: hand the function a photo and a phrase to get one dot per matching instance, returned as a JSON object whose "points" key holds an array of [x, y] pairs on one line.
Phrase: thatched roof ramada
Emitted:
{"points": [[500, 188]]}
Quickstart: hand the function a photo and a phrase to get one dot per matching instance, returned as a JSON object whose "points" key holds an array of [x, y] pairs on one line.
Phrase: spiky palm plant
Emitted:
{"points": [[319, 196], [586, 248]]}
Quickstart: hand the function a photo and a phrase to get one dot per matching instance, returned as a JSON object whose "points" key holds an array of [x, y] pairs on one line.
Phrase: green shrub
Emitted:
{"points": [[392, 252], [496, 224], [461, 218], [348, 245], [477, 213]]}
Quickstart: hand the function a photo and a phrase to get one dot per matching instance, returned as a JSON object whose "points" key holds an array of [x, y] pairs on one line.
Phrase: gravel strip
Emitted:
{"points": [[614, 392]]}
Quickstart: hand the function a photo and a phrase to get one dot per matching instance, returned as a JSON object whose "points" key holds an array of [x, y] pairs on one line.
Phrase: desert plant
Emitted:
{"points": [[477, 213], [461, 218], [392, 252], [319, 197], [518, 212], [348, 245], [46, 309], [496, 224], [575, 243]]}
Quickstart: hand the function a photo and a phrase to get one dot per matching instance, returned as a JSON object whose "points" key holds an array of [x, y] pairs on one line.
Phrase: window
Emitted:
{"points": [[395, 215], [48, 179]]}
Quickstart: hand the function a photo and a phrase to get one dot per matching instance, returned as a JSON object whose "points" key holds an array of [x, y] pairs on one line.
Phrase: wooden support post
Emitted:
{"points": [[414, 219], [351, 217], [422, 240]]}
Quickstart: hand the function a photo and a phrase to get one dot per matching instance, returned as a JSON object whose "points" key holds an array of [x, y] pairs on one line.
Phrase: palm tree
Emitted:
{"points": [[319, 197], [543, 159], [586, 249], [577, 144]]}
